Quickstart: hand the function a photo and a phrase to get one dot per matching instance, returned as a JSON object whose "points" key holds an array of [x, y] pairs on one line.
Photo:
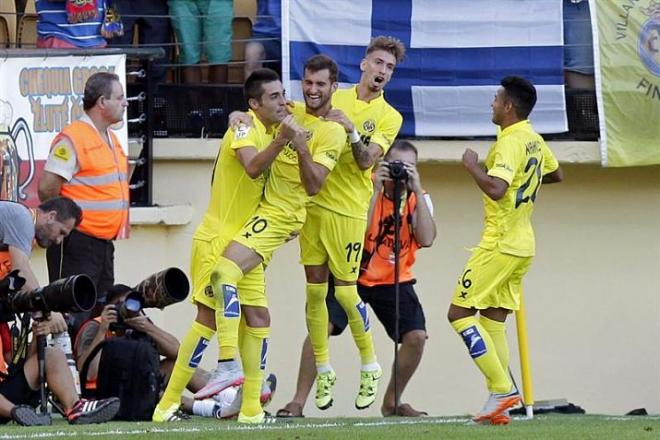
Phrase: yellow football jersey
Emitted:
{"points": [[234, 195], [348, 188], [521, 158], [284, 189]]}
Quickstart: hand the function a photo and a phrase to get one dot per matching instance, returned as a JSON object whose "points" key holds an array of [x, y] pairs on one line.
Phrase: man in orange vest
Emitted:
{"points": [[87, 164], [376, 281]]}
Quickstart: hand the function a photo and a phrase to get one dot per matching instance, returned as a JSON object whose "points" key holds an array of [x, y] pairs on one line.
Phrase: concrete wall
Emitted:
{"points": [[592, 294]]}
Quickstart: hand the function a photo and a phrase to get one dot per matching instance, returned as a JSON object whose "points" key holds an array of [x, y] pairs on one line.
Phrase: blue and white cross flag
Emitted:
{"points": [[457, 53]]}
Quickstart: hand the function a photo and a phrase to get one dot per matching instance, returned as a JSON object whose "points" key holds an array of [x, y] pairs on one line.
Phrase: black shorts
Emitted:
{"points": [[82, 253], [16, 389], [381, 300]]}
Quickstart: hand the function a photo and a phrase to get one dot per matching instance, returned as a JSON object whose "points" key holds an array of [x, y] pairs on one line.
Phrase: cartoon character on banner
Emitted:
{"points": [[10, 161]]}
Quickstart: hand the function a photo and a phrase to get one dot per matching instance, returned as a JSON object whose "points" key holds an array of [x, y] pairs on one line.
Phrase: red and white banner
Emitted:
{"points": [[38, 97]]}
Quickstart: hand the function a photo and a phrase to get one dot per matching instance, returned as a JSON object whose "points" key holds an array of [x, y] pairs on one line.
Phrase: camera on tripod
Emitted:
{"points": [[159, 290], [76, 293], [398, 170]]}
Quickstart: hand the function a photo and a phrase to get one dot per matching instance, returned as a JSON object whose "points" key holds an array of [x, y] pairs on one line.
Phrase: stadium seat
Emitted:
{"points": [[7, 23], [26, 34], [27, 31], [30, 7], [242, 30]]}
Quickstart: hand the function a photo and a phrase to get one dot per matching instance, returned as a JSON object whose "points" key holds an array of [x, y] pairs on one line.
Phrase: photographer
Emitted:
{"points": [[19, 391], [108, 325], [114, 323], [49, 224], [376, 282]]}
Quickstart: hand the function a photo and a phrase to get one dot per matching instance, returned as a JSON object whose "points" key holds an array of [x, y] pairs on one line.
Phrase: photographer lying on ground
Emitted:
{"points": [[48, 224], [124, 319]]}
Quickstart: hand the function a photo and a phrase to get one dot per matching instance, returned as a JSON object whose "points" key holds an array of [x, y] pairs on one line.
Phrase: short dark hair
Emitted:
{"points": [[115, 292], [322, 62], [64, 207], [97, 85], [402, 145], [253, 87], [388, 44], [522, 94]]}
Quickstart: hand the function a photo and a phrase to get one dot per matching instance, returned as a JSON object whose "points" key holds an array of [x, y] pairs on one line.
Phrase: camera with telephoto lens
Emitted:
{"points": [[76, 293], [397, 170], [159, 290]]}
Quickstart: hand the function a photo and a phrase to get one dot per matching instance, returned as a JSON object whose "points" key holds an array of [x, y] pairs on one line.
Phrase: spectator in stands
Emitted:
{"points": [[578, 45], [153, 26], [203, 24], [266, 41], [64, 25]]}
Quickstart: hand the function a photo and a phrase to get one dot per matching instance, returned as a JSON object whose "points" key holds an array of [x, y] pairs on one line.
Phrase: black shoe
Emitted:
{"points": [[93, 411], [25, 415]]}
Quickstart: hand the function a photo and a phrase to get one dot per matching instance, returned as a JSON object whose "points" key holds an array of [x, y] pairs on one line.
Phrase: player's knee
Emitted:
{"points": [[455, 313], [205, 316], [256, 317], [415, 339]]}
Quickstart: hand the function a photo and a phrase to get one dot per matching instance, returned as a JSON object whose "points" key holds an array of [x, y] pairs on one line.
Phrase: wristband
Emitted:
{"points": [[354, 136]]}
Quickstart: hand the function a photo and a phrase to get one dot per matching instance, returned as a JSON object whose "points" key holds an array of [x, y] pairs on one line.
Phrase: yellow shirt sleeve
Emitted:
{"points": [[244, 136], [506, 159], [550, 162], [387, 129], [330, 140]]}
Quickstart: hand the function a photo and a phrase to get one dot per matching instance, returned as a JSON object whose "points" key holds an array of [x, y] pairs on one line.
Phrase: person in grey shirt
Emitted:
{"points": [[48, 225]]}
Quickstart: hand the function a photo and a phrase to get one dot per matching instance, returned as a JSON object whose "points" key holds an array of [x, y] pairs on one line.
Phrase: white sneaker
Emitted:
{"points": [[220, 379], [496, 406]]}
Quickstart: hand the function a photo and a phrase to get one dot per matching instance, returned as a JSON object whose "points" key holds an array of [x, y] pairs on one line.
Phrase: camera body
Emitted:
{"points": [[397, 170], [129, 307]]}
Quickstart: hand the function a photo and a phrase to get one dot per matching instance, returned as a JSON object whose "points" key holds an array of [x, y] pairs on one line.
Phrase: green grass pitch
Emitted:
{"points": [[541, 427]]}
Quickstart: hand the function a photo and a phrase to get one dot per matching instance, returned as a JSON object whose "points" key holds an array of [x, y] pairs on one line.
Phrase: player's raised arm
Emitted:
{"points": [[493, 187]]}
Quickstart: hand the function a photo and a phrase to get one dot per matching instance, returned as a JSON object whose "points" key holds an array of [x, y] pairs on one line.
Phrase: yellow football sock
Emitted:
{"points": [[358, 320], [224, 280], [187, 360], [483, 352], [316, 314], [497, 332], [254, 350]]}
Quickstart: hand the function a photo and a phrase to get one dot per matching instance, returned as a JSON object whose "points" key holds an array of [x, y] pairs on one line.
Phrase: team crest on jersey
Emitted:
{"points": [[208, 291], [369, 125], [308, 134]]}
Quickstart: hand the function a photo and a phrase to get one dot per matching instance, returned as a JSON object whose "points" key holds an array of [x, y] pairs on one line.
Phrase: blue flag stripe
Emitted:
{"points": [[391, 18], [444, 67]]}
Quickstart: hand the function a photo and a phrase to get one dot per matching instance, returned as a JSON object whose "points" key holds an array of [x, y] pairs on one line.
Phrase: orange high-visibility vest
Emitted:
{"points": [[378, 259], [5, 264], [100, 187]]}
